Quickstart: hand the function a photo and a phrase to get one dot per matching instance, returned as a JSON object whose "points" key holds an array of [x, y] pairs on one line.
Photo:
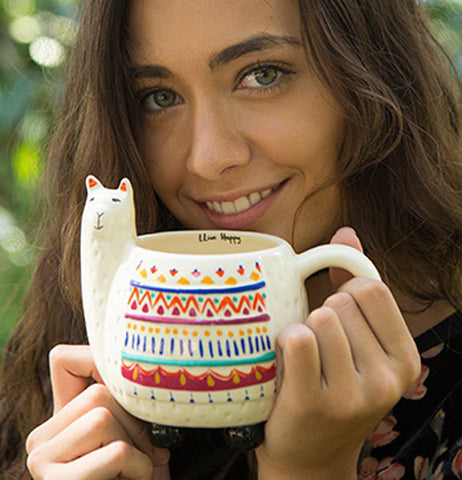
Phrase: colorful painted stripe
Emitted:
{"points": [[267, 357], [203, 291], [183, 380], [197, 321]]}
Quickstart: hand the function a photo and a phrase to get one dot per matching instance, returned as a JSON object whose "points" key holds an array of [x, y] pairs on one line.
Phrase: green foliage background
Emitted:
{"points": [[36, 37]]}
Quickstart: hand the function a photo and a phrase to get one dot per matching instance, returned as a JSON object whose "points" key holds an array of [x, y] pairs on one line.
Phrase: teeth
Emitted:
{"points": [[241, 204], [254, 198], [228, 207]]}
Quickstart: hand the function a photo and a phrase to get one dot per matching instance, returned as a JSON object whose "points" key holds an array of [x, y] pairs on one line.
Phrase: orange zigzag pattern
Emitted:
{"points": [[192, 301]]}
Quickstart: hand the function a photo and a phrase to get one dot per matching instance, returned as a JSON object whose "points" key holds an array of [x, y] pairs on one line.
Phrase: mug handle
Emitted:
{"points": [[332, 255]]}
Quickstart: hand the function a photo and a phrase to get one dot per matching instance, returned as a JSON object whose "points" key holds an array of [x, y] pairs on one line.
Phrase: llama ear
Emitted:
{"points": [[125, 186], [92, 183]]}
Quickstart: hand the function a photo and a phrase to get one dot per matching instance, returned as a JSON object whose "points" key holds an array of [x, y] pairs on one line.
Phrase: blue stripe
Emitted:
{"points": [[203, 291], [199, 363]]}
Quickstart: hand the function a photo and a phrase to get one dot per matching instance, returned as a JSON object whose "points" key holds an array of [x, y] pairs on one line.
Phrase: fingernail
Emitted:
{"points": [[350, 229]]}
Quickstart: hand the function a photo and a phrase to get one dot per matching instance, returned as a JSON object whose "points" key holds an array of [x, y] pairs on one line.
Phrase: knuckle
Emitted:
{"points": [[58, 354], [375, 289], [33, 464], [32, 440], [97, 394], [321, 317], [339, 301], [101, 417], [296, 338], [409, 368], [367, 287], [413, 366], [120, 451], [386, 389]]}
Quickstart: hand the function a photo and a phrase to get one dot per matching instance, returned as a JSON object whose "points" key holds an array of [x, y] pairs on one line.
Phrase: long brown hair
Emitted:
{"points": [[399, 171]]}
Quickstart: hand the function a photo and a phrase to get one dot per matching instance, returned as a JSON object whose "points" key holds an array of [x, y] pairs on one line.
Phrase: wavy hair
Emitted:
{"points": [[399, 171]]}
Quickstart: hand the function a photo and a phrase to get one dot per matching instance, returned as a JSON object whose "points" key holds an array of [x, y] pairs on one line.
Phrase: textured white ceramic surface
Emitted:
{"points": [[182, 325]]}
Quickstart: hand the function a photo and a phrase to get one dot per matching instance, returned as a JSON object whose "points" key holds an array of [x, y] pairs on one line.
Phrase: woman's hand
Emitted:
{"points": [[343, 370], [89, 436]]}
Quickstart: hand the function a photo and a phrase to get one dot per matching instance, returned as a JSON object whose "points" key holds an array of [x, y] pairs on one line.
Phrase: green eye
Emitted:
{"points": [[164, 98], [159, 100], [265, 75]]}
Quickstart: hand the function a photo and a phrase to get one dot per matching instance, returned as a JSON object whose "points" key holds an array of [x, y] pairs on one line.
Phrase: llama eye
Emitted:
{"points": [[91, 199], [116, 200]]}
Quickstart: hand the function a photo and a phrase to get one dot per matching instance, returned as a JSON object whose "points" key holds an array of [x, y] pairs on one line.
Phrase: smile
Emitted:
{"points": [[241, 204]]}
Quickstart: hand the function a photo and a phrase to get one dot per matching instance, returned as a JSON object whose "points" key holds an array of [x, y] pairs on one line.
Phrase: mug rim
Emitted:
{"points": [[275, 241]]}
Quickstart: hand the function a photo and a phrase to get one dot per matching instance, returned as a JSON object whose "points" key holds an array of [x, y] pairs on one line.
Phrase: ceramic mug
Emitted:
{"points": [[183, 324]]}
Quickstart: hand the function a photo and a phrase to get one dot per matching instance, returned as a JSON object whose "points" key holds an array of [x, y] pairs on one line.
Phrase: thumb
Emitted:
{"points": [[343, 236], [71, 366]]}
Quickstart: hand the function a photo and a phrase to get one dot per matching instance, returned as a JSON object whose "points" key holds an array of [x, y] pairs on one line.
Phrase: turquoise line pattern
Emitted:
{"points": [[267, 357]]}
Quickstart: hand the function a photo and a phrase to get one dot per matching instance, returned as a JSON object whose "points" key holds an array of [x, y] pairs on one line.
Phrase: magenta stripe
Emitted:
{"points": [[189, 321]]}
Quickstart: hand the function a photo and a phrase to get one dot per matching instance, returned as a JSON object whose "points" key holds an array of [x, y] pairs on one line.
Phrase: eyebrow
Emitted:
{"points": [[149, 71], [253, 44]]}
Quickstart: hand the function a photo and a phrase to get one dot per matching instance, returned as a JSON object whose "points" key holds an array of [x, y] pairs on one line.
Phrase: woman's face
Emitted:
{"points": [[237, 129]]}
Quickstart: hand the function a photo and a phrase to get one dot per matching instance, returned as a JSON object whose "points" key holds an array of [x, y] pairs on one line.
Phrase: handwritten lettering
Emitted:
{"points": [[224, 237], [204, 237], [232, 239]]}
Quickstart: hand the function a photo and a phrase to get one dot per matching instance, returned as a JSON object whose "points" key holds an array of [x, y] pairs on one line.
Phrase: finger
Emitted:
{"points": [[116, 460], [93, 430], [71, 367], [95, 396], [300, 356], [343, 236], [385, 321], [336, 359], [364, 347], [381, 311]]}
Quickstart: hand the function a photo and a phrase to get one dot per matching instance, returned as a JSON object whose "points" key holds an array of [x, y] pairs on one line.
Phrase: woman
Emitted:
{"points": [[292, 118]]}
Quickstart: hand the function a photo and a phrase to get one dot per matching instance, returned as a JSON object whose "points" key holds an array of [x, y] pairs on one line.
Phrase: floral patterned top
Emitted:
{"points": [[421, 438]]}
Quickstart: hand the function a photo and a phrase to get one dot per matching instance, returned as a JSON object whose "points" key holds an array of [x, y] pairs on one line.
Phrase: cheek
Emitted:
{"points": [[299, 133], [163, 156]]}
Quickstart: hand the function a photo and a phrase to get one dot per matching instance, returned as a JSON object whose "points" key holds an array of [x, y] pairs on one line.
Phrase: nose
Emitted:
{"points": [[217, 144]]}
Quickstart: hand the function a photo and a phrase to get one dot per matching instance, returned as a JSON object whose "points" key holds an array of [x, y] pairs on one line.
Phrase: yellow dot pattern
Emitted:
{"points": [[185, 332]]}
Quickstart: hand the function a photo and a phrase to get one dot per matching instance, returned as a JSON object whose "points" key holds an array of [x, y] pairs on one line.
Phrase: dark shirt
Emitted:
{"points": [[420, 439], [422, 436]]}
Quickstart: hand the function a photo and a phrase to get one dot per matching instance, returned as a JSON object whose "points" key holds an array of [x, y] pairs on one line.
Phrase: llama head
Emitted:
{"points": [[109, 212]]}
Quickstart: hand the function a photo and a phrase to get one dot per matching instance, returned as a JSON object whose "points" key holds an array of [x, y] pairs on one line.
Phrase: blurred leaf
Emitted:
{"points": [[27, 165]]}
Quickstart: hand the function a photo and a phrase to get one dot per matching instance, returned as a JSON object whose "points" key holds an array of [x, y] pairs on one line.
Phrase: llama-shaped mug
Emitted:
{"points": [[182, 325]]}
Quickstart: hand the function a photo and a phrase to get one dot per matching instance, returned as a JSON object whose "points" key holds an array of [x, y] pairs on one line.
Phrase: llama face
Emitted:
{"points": [[108, 209]]}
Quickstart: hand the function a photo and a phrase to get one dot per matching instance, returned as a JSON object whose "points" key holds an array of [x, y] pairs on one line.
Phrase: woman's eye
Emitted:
{"points": [[159, 99], [261, 77]]}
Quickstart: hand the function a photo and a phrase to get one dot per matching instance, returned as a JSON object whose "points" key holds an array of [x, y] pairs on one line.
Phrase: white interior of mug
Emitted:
{"points": [[211, 242]]}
